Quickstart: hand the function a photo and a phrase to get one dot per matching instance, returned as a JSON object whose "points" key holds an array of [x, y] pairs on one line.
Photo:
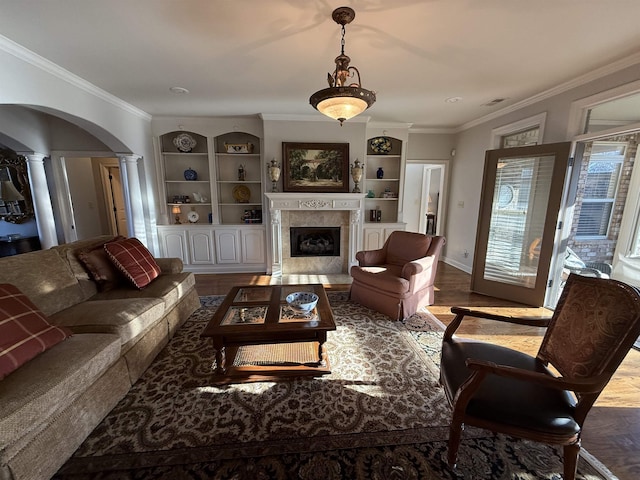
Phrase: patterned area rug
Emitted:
{"points": [[380, 414]]}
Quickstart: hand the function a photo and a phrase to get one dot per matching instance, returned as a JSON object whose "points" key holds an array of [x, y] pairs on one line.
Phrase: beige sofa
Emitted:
{"points": [[49, 405]]}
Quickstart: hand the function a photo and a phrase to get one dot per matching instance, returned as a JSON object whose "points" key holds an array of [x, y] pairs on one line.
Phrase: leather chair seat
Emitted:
{"points": [[506, 400], [545, 398]]}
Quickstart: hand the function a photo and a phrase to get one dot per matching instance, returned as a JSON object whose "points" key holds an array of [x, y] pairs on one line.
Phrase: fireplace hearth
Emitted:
{"points": [[315, 241]]}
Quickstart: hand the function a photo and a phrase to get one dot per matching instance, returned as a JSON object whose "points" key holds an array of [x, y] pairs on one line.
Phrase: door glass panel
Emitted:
{"points": [[518, 213]]}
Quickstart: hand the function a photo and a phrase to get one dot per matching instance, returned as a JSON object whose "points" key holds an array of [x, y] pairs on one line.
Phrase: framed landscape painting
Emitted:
{"points": [[315, 167]]}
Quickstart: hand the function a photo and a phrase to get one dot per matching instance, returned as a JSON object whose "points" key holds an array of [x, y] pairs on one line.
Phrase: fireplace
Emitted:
{"points": [[315, 241], [317, 210]]}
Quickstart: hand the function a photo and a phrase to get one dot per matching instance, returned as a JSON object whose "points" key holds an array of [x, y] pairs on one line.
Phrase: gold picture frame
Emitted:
{"points": [[315, 167]]}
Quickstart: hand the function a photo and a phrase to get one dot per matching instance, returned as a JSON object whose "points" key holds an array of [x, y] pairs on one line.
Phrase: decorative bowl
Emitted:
{"points": [[302, 302], [241, 193], [190, 174]]}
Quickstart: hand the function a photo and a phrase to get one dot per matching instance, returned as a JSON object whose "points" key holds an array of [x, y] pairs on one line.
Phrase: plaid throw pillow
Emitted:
{"points": [[134, 260], [100, 267], [25, 332]]}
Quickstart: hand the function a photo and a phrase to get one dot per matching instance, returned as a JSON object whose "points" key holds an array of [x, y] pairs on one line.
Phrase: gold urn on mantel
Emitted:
{"points": [[273, 169], [356, 173]]}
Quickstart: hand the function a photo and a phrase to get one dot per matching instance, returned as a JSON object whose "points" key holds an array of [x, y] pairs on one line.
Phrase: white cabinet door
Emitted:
{"points": [[227, 245], [373, 238], [201, 246], [173, 243], [253, 246]]}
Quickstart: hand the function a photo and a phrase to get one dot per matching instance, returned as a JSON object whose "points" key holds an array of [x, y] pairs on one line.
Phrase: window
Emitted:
{"points": [[522, 138], [635, 244], [600, 185]]}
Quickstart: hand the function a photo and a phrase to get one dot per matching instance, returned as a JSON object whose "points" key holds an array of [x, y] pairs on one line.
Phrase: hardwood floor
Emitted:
{"points": [[612, 429]]}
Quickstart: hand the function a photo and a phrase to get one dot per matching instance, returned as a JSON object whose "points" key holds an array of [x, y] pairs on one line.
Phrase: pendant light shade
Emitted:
{"points": [[342, 101]]}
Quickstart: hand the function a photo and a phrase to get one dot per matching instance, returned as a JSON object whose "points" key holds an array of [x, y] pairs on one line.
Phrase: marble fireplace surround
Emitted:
{"points": [[351, 204]]}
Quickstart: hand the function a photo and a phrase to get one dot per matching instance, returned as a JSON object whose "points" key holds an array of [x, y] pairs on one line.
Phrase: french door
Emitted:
{"points": [[519, 205]]}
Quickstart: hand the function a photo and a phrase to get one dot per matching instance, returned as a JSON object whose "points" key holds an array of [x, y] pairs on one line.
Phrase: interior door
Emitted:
{"points": [[117, 196], [519, 205]]}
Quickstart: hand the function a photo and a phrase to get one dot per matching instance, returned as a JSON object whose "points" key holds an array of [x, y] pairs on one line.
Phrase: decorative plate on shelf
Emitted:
{"points": [[193, 216], [380, 145], [184, 142], [241, 193]]}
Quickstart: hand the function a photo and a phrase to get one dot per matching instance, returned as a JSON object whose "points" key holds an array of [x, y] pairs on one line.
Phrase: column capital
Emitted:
{"points": [[35, 157], [129, 157]]}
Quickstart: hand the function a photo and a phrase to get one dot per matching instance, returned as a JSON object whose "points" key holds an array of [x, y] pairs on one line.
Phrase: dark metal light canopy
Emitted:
{"points": [[341, 101]]}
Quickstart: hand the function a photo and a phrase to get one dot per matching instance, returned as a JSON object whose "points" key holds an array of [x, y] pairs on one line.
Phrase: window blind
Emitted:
{"points": [[518, 213]]}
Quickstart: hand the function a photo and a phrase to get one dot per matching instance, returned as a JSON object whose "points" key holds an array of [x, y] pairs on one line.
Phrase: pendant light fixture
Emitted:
{"points": [[342, 101]]}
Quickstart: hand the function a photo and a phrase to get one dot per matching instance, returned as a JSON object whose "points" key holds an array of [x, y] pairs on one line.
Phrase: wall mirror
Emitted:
{"points": [[16, 204]]}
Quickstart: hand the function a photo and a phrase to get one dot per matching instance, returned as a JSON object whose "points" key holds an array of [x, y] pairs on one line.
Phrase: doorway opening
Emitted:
{"points": [[90, 198], [603, 219], [424, 197], [114, 197]]}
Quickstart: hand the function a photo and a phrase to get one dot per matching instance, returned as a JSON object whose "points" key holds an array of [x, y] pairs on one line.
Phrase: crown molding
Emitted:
{"points": [[400, 125], [434, 130], [26, 55], [284, 117], [558, 89]]}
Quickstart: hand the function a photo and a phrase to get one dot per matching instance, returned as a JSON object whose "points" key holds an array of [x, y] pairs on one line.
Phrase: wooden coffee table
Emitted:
{"points": [[257, 337]]}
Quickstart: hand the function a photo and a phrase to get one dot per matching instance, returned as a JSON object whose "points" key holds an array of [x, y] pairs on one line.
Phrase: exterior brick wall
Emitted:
{"points": [[602, 250]]}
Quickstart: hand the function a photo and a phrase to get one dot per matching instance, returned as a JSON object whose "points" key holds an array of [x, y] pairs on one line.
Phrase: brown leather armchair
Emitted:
{"points": [[397, 279], [489, 386]]}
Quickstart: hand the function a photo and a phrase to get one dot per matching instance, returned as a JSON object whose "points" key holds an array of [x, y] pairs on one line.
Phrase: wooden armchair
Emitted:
{"points": [[593, 327], [397, 279]]}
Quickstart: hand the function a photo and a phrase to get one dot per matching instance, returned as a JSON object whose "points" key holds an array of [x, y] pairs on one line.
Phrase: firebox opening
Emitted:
{"points": [[315, 241]]}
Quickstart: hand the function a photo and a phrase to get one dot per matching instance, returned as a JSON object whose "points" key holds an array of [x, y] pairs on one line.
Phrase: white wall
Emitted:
{"points": [[27, 79], [308, 129], [471, 144], [413, 196], [428, 148], [33, 81], [84, 196]]}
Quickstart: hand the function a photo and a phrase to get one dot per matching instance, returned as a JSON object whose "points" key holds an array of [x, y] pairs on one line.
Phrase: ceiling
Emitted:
{"points": [[245, 57]]}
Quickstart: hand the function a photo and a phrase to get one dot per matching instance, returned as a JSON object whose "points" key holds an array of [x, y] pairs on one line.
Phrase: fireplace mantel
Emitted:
{"points": [[277, 202]]}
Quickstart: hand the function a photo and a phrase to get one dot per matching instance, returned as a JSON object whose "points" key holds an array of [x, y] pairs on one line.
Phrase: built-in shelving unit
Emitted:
{"points": [[238, 178], [382, 211], [220, 179], [386, 189], [180, 190]]}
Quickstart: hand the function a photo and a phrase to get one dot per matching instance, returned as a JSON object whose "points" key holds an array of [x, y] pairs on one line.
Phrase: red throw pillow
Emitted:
{"points": [[100, 267], [134, 260], [25, 332]]}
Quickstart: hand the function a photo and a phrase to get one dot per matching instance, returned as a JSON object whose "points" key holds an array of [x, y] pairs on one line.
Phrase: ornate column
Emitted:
{"points": [[41, 200], [133, 195], [276, 242], [355, 235]]}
